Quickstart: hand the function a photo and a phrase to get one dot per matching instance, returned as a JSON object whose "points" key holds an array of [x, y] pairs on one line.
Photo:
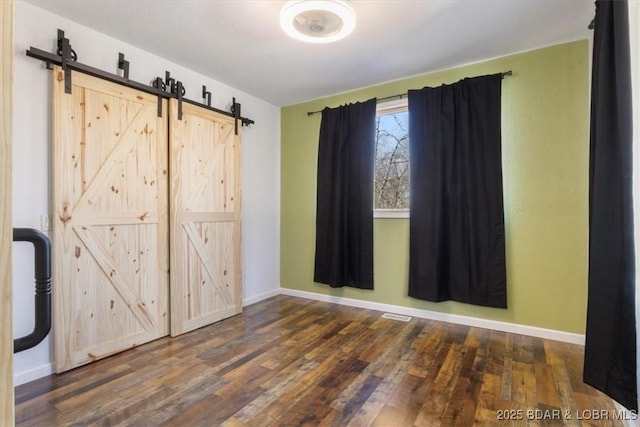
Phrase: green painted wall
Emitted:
{"points": [[545, 168]]}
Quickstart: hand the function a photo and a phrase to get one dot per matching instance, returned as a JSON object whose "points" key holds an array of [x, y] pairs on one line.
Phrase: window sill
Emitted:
{"points": [[391, 213]]}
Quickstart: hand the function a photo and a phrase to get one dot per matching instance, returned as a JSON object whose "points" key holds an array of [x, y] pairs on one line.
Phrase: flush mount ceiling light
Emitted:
{"points": [[317, 21]]}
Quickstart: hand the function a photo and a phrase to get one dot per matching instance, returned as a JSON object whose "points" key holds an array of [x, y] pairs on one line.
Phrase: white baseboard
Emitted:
{"points": [[24, 377], [257, 298], [513, 328], [630, 418]]}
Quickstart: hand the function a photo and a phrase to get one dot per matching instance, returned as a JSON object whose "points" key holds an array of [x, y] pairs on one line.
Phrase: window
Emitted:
{"points": [[391, 181]]}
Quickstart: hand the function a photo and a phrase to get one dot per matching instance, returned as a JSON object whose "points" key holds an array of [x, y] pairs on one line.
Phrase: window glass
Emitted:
{"points": [[391, 189]]}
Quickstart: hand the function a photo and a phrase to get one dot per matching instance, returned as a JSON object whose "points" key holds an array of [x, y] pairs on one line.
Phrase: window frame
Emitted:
{"points": [[390, 107]]}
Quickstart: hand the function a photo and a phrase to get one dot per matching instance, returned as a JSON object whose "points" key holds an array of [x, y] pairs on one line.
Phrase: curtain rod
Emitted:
{"points": [[399, 95]]}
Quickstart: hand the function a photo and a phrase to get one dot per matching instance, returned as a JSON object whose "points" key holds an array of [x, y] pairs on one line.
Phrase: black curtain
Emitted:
{"points": [[457, 242], [344, 212], [610, 348]]}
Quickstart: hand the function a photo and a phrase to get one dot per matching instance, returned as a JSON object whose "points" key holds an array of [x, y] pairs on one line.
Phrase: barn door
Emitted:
{"points": [[110, 219], [204, 218]]}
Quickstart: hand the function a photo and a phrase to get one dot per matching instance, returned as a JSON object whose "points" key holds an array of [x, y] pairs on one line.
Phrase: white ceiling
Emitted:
{"points": [[241, 44]]}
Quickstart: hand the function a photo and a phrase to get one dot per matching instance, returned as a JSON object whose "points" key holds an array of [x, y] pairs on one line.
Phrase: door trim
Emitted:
{"points": [[6, 230]]}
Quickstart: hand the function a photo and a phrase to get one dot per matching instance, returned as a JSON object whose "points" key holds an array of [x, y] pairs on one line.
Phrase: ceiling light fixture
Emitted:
{"points": [[317, 21]]}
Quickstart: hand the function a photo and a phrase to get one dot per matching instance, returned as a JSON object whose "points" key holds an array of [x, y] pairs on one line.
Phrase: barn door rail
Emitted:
{"points": [[42, 273], [67, 59]]}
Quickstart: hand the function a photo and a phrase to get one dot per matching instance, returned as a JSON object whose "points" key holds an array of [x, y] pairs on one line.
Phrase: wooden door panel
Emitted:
{"points": [[116, 314], [205, 218], [110, 219]]}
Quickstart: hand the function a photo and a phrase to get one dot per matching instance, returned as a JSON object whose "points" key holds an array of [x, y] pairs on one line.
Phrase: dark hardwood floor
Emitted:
{"points": [[289, 362]]}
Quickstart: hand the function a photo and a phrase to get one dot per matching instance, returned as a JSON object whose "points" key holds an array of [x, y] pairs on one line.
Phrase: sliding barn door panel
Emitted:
{"points": [[110, 254], [204, 218]]}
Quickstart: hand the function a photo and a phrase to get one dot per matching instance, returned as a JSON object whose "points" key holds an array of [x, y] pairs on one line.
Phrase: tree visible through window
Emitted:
{"points": [[392, 157]]}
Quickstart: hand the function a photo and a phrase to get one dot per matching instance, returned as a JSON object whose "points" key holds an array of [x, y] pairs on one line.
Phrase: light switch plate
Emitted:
{"points": [[45, 223]]}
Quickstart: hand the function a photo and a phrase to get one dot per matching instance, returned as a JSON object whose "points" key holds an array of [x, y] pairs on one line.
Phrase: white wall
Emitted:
{"points": [[31, 171]]}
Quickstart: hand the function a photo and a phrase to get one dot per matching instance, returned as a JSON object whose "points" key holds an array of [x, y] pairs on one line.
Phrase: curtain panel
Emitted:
{"points": [[610, 346], [344, 211], [457, 234]]}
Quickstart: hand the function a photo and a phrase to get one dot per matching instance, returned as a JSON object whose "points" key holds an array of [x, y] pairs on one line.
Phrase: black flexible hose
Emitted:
{"points": [[42, 273]]}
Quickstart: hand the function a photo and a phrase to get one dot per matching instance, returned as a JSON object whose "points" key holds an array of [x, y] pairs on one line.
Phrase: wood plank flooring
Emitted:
{"points": [[294, 362]]}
